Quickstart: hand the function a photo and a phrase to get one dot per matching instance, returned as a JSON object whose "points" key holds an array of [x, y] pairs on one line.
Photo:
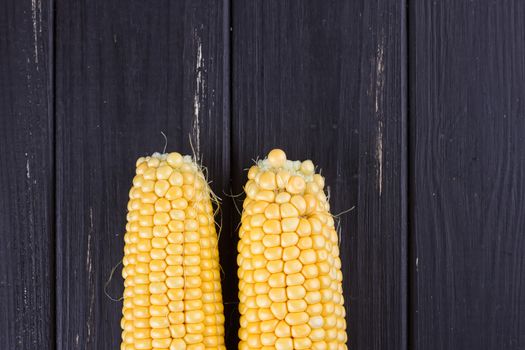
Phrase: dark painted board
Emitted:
{"points": [[467, 178], [26, 176], [125, 71], [324, 81]]}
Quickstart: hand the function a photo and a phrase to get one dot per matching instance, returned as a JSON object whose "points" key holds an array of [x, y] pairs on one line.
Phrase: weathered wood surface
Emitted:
{"points": [[323, 80], [86, 87], [26, 176], [124, 73], [467, 187]]}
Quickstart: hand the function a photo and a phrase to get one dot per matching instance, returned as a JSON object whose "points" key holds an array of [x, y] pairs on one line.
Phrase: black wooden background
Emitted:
{"points": [[414, 111]]}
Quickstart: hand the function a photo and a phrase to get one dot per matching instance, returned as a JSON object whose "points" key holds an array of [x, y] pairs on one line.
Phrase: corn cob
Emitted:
{"points": [[172, 295], [290, 289]]}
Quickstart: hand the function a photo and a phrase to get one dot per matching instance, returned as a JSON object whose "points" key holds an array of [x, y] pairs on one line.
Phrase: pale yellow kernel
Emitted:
{"points": [[277, 280], [251, 189], [277, 294], [276, 158], [258, 207], [307, 167], [144, 245], [179, 203], [160, 343], [257, 220], [157, 254], [146, 220], [308, 256], [164, 172], [256, 248], [254, 341], [261, 275], [282, 179], [162, 205], [161, 187], [317, 334], [294, 279], [273, 253], [305, 243], [316, 225], [312, 188], [161, 218], [267, 180], [296, 318], [263, 301], [295, 185], [146, 232], [177, 343], [271, 240], [289, 224], [301, 343], [282, 197], [319, 242], [188, 191], [275, 266], [253, 172], [141, 312], [295, 292], [261, 288], [284, 344], [142, 168], [176, 226], [173, 193], [265, 195], [319, 180], [268, 339], [159, 322], [289, 239], [159, 299], [268, 326], [174, 159], [291, 253], [258, 261], [188, 178], [177, 214], [311, 284], [272, 211], [256, 234], [299, 203], [191, 225], [150, 174], [279, 310], [313, 297], [141, 344], [272, 226], [282, 330], [288, 210]]}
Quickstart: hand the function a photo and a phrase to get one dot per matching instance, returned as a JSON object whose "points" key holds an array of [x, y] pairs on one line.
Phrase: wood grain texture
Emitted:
{"points": [[323, 81], [467, 103], [125, 71], [26, 176]]}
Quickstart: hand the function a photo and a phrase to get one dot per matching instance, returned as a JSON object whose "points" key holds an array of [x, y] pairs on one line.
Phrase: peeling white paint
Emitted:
{"points": [[89, 266], [28, 168], [199, 89], [36, 18], [380, 70]]}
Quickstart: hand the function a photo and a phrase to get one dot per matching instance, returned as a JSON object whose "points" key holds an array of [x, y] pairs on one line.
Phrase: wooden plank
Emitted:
{"points": [[26, 176], [467, 83], [124, 73], [324, 81]]}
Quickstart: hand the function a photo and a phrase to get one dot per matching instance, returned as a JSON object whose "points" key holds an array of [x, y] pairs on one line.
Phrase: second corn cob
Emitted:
{"points": [[290, 288]]}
